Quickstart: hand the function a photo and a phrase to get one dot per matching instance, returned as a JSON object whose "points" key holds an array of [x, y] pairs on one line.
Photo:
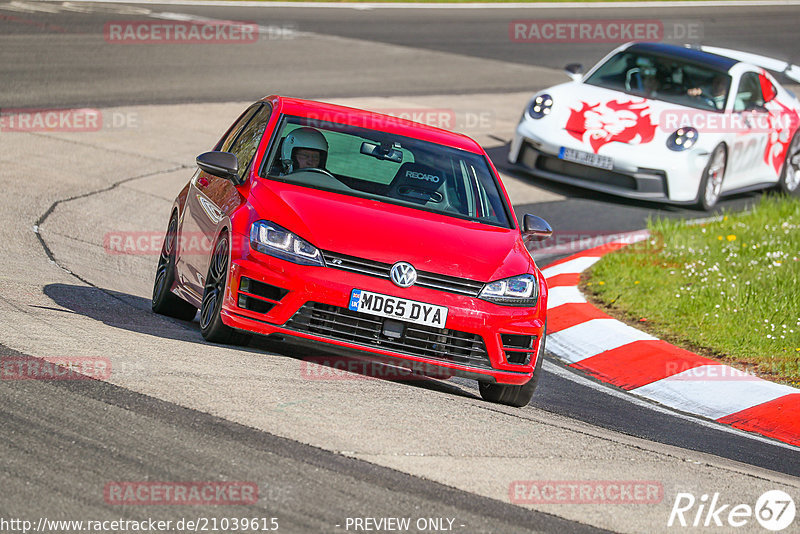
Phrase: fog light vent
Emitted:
{"points": [[262, 290], [254, 304], [517, 341], [519, 349]]}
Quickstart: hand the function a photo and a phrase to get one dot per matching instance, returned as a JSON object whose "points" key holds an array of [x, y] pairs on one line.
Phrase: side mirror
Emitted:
{"points": [[535, 228], [221, 164], [574, 71], [767, 89]]}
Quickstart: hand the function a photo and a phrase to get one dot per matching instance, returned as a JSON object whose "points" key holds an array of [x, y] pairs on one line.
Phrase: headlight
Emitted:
{"points": [[540, 106], [519, 290], [683, 139], [269, 238]]}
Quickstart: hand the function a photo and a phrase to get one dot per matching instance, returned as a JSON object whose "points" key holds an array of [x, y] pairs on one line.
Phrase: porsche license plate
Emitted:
{"points": [[397, 308], [586, 158]]}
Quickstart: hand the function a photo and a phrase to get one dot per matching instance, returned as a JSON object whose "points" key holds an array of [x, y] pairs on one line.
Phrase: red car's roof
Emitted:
{"points": [[373, 121]]}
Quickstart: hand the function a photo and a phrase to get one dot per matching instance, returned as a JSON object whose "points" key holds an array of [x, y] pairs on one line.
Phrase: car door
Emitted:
{"points": [[212, 199], [750, 121]]}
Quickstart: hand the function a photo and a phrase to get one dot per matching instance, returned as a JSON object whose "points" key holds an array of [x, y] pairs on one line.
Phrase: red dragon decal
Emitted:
{"points": [[599, 124], [785, 121]]}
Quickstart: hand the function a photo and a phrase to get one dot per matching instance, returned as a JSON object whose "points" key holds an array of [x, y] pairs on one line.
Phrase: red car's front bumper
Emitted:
{"points": [[266, 295]]}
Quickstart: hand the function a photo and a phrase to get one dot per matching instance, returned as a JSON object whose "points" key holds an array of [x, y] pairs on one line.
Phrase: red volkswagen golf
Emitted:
{"points": [[359, 232]]}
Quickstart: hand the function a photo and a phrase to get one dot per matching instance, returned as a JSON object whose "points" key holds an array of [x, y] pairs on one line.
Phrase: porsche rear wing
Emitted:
{"points": [[787, 69]]}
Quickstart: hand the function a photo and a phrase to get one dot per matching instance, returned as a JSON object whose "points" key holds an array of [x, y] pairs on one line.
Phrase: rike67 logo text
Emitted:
{"points": [[774, 510]]}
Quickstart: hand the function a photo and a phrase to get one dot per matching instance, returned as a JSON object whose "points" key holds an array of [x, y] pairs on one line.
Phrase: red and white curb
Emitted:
{"points": [[587, 339]]}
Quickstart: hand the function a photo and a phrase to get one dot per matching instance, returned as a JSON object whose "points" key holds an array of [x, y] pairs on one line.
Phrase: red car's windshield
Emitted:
{"points": [[386, 167]]}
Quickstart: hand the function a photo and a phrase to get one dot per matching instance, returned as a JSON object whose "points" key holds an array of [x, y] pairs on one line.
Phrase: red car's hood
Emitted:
{"points": [[389, 233]]}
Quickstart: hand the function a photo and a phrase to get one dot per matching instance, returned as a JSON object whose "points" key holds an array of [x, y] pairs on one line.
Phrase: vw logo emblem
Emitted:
{"points": [[403, 274]]}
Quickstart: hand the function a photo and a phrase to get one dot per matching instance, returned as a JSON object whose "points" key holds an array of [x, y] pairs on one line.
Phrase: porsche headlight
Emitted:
{"points": [[519, 290], [540, 106], [683, 139], [269, 238]]}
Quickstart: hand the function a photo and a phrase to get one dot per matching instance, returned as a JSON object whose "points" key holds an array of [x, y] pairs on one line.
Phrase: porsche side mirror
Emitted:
{"points": [[220, 164], [574, 71], [535, 228], [767, 89]]}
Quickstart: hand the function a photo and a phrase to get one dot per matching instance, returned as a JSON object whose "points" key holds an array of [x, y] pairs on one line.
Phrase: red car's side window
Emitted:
{"points": [[230, 136], [244, 148]]}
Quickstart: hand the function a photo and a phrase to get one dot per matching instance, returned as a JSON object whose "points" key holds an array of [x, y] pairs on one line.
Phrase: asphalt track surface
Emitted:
{"points": [[128, 436], [69, 438]]}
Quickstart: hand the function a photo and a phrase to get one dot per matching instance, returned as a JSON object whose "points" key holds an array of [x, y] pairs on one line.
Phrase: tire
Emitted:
{"points": [[790, 174], [164, 301], [211, 326], [517, 396], [711, 183]]}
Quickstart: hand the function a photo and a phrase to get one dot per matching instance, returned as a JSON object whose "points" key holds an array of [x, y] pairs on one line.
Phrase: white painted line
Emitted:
{"points": [[557, 296], [574, 376], [30, 7], [589, 339], [578, 265], [698, 391], [727, 4]]}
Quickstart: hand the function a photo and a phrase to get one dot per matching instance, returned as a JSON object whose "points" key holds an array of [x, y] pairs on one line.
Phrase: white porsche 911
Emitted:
{"points": [[666, 123]]}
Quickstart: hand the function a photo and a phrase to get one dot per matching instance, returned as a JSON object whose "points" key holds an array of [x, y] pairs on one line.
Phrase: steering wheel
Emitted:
{"points": [[315, 169], [708, 99], [705, 97]]}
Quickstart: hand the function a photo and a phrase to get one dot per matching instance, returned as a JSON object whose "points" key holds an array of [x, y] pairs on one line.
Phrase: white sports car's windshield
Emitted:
{"points": [[387, 167], [664, 78]]}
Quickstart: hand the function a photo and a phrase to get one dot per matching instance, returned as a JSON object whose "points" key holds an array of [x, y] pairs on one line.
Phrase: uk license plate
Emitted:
{"points": [[411, 311], [586, 158]]}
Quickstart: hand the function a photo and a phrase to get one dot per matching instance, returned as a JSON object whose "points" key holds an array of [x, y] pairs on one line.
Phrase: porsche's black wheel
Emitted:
{"points": [[211, 325], [517, 396], [790, 175], [165, 301], [711, 184]]}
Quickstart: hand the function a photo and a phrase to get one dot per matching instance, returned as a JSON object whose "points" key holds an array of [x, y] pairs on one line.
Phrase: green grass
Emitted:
{"points": [[729, 288]]}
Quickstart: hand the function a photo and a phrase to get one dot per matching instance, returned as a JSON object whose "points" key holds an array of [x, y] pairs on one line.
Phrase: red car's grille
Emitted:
{"points": [[416, 340], [425, 279]]}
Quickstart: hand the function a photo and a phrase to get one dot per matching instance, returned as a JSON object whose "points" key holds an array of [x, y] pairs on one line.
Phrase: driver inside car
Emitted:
{"points": [[304, 148], [714, 95]]}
